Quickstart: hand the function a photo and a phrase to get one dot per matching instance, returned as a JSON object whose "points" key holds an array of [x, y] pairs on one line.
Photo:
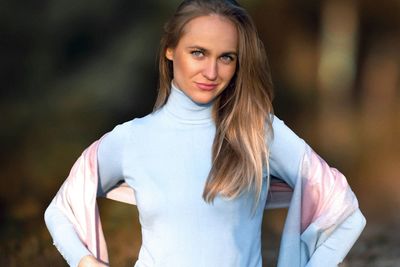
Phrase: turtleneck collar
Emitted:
{"points": [[183, 108]]}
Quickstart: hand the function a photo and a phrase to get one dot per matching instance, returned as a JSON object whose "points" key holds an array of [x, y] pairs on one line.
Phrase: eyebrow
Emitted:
{"points": [[205, 50]]}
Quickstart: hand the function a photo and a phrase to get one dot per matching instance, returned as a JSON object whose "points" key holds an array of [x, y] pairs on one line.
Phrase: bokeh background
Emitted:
{"points": [[72, 70]]}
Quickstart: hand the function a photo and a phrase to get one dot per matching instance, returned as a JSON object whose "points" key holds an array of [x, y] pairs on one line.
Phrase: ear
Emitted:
{"points": [[169, 54]]}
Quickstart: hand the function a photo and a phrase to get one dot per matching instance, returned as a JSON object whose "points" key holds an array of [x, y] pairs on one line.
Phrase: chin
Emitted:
{"points": [[201, 101]]}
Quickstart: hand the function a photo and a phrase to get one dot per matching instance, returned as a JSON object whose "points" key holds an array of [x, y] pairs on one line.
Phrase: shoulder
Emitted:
{"points": [[121, 130], [277, 124], [283, 134], [134, 127], [273, 124]]}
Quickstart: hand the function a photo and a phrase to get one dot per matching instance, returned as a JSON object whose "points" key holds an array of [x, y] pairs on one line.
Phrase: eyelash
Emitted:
{"points": [[197, 53], [224, 58], [227, 58]]}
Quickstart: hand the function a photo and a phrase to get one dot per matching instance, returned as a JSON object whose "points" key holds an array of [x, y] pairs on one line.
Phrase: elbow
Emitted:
{"points": [[49, 214], [362, 219], [358, 221]]}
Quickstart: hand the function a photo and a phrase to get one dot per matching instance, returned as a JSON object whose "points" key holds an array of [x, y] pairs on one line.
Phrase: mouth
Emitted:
{"points": [[206, 86]]}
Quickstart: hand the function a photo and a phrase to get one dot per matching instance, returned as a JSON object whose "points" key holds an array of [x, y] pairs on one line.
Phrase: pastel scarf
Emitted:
{"points": [[316, 206]]}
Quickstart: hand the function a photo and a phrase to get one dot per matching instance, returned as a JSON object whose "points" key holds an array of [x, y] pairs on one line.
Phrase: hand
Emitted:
{"points": [[90, 261]]}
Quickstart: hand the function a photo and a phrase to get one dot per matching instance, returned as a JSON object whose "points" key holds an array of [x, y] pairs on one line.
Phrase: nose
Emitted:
{"points": [[210, 70]]}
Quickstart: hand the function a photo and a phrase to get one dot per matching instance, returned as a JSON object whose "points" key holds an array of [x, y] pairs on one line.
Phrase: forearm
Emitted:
{"points": [[81, 183], [64, 236], [335, 248]]}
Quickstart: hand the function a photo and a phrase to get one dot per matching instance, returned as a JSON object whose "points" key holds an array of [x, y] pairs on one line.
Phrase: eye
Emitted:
{"points": [[197, 53], [227, 59]]}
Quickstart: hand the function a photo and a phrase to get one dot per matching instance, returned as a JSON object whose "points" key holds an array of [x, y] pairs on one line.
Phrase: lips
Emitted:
{"points": [[206, 86]]}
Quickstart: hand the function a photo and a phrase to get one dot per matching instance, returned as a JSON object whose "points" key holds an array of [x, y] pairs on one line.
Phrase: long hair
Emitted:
{"points": [[242, 112]]}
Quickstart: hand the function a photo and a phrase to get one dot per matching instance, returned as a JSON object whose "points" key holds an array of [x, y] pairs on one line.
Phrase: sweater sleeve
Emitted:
{"points": [[290, 156], [65, 238], [286, 152], [335, 248]]}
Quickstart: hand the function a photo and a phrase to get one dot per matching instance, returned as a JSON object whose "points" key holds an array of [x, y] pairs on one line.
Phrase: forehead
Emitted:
{"points": [[211, 32]]}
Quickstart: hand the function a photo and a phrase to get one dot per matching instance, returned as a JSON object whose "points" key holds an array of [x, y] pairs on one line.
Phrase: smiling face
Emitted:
{"points": [[205, 58]]}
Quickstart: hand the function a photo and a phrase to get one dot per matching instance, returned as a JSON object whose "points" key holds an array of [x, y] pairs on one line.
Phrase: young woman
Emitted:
{"points": [[199, 164]]}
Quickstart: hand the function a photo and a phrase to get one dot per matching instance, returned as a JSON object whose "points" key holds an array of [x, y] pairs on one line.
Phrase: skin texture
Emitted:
{"points": [[205, 59]]}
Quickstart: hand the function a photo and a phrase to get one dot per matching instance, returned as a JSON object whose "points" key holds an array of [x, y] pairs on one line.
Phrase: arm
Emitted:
{"points": [[327, 201], [65, 236], [333, 251]]}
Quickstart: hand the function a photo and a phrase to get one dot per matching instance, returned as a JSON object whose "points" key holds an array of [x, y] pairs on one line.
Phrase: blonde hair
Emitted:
{"points": [[242, 112]]}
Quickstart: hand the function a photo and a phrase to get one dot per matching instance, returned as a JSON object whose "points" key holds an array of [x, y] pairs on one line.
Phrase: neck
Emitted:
{"points": [[183, 108]]}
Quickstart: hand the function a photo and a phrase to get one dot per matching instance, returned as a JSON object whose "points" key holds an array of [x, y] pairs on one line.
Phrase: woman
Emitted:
{"points": [[200, 164]]}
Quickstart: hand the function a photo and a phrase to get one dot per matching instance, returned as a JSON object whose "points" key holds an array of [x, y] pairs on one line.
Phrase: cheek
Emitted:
{"points": [[229, 71], [183, 66]]}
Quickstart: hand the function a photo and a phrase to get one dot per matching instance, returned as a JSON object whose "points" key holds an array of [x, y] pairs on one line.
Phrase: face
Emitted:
{"points": [[204, 61]]}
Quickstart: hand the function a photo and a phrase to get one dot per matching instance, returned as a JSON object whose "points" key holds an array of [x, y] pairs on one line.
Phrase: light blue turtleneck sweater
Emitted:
{"points": [[166, 157]]}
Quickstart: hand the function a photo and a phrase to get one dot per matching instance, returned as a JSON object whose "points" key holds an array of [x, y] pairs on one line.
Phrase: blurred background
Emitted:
{"points": [[71, 71]]}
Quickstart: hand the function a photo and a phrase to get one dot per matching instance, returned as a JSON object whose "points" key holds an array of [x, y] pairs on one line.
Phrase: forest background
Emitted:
{"points": [[71, 71]]}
